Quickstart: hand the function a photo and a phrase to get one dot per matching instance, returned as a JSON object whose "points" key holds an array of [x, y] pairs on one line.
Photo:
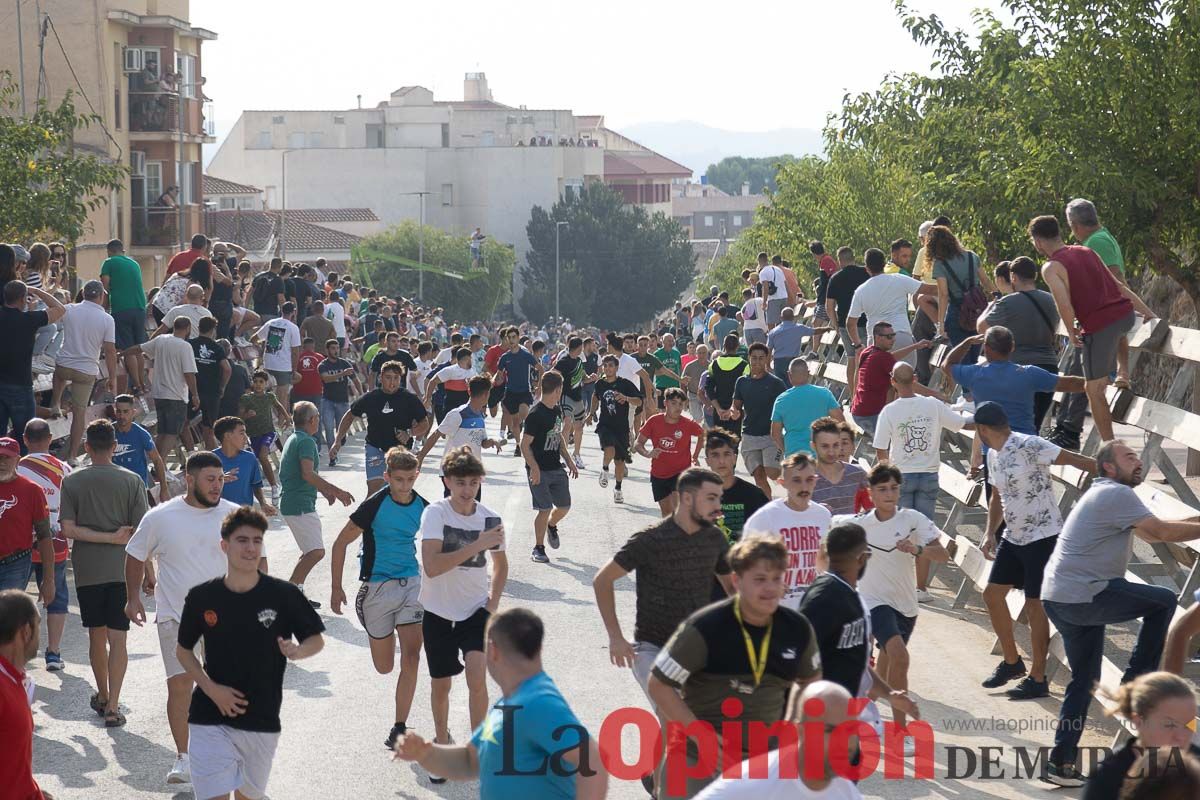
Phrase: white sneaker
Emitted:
{"points": [[924, 596], [603, 478], [182, 771], [579, 462], [618, 497]]}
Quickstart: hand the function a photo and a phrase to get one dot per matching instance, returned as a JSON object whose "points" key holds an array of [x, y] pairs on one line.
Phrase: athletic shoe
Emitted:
{"points": [[181, 772], [517, 451], [603, 479], [1029, 689], [1005, 672], [579, 462], [1068, 440], [1058, 775], [311, 602], [54, 662], [618, 497], [552, 537], [923, 596], [397, 731], [332, 462], [539, 555]]}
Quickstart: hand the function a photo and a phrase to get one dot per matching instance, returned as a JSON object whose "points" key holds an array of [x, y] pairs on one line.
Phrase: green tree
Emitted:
{"points": [[449, 281], [619, 266], [731, 172], [47, 187]]}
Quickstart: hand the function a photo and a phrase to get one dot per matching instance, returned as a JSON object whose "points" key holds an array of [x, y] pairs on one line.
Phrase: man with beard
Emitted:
{"points": [[1084, 590], [184, 536]]}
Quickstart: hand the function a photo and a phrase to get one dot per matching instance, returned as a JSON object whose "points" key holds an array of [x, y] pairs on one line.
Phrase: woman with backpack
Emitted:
{"points": [[963, 286]]}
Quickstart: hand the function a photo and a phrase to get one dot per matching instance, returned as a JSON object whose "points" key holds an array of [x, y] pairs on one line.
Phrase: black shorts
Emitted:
{"points": [[617, 440], [210, 409], [495, 395], [888, 623], [662, 488], [102, 606], [1022, 565], [514, 400], [445, 639]]}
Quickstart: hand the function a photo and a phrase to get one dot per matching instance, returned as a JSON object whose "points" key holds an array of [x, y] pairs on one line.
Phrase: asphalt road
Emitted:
{"points": [[337, 710]]}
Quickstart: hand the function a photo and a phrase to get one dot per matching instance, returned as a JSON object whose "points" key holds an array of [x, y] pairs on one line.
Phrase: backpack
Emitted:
{"points": [[261, 292], [974, 301], [768, 287]]}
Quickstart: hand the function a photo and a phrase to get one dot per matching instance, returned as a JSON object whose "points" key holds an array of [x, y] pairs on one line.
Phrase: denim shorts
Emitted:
{"points": [[59, 606], [375, 462]]}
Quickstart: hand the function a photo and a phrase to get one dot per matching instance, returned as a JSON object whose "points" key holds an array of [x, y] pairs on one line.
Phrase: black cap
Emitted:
{"points": [[991, 414]]}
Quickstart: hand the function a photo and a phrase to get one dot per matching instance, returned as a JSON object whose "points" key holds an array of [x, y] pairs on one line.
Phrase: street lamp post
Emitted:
{"points": [[283, 206], [558, 226]]}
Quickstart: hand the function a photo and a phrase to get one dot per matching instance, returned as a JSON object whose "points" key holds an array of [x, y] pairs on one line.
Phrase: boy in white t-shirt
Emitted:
{"points": [[801, 523], [456, 592], [897, 538]]}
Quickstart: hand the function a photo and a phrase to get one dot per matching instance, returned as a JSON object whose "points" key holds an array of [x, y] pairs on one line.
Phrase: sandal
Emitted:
{"points": [[97, 704], [1121, 383], [114, 719]]}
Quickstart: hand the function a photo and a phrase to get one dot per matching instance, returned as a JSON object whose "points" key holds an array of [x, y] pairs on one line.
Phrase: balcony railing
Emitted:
{"points": [[158, 112], [156, 226]]}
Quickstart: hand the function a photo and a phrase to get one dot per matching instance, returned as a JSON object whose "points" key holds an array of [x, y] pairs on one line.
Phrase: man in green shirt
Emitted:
{"points": [[672, 359], [653, 366], [122, 277], [300, 481]]}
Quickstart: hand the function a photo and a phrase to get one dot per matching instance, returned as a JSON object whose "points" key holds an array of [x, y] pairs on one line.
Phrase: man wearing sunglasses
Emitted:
{"points": [[897, 537], [875, 364]]}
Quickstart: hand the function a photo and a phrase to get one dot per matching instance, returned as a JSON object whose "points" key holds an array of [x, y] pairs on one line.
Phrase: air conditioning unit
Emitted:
{"points": [[137, 162], [133, 59]]}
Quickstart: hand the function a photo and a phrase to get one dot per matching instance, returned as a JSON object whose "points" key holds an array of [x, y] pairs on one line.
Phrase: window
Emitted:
{"points": [[185, 174], [375, 136], [339, 119], [185, 68], [737, 220], [446, 136], [137, 162], [296, 140], [226, 204], [246, 203], [708, 221], [264, 140], [154, 185], [316, 139], [447, 194], [277, 119], [272, 194]]}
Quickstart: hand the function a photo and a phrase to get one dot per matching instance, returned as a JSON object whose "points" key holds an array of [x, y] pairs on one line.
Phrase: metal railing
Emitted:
{"points": [[156, 226], [159, 112]]}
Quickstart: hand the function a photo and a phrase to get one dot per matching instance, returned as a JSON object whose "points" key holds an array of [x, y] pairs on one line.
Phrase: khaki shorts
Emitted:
{"points": [[168, 639], [79, 385], [306, 530], [383, 606]]}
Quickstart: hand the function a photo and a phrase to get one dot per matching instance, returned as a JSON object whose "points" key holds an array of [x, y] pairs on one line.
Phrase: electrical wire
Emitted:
{"points": [[103, 127]]}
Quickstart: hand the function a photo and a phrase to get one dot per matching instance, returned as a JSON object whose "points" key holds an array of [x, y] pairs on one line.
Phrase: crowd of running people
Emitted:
{"points": [[788, 597]]}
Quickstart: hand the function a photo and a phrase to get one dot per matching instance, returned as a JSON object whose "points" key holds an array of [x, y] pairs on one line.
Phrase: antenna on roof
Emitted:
{"points": [[360, 102]]}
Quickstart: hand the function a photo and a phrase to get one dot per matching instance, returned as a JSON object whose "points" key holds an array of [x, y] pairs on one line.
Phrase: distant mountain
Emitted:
{"points": [[696, 145]]}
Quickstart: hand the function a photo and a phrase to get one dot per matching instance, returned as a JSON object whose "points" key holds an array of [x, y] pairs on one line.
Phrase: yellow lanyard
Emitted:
{"points": [[758, 662]]}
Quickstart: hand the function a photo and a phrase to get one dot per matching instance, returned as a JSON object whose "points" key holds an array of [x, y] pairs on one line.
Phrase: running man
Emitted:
{"points": [[135, 449], [247, 622], [256, 408], [465, 425], [897, 538], [670, 435], [544, 448], [387, 603], [518, 366], [612, 399], [798, 521], [456, 592], [754, 396], [243, 474], [571, 366]]}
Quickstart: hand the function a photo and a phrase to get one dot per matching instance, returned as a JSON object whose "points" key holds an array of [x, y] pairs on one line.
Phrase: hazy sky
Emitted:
{"points": [[744, 65]]}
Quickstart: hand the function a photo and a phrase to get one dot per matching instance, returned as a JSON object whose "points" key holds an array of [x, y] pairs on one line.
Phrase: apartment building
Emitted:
{"points": [[139, 64]]}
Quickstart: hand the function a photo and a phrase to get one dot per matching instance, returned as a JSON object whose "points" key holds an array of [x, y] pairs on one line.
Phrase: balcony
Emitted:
{"points": [[155, 227], [159, 112]]}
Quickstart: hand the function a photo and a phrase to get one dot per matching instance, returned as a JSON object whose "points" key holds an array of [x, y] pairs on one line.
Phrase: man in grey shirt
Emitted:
{"points": [[691, 382], [785, 341], [1084, 589]]}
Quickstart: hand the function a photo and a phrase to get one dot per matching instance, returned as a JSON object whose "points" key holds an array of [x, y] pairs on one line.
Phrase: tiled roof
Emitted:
{"points": [[735, 202], [258, 230], [215, 185], [635, 164], [319, 215]]}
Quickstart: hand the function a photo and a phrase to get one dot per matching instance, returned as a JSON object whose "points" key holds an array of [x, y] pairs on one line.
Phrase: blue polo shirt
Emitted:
{"points": [[132, 448], [798, 408], [539, 723], [249, 477], [1011, 385]]}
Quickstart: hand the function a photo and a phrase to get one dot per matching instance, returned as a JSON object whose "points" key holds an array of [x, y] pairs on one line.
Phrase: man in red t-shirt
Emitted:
{"points": [[309, 386], [24, 524], [670, 435], [185, 258], [18, 644], [491, 364], [47, 472], [875, 364]]}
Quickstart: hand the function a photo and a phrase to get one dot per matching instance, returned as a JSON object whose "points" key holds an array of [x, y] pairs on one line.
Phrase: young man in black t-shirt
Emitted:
{"points": [[739, 498], [612, 398], [336, 376], [570, 365], [391, 352], [212, 373], [394, 417], [247, 621], [543, 447], [837, 614]]}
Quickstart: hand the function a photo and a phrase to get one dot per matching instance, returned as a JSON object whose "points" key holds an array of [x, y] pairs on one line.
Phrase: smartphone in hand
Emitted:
{"points": [[489, 523]]}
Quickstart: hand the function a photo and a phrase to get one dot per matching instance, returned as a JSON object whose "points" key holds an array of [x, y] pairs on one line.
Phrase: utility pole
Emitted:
{"points": [[21, 57], [283, 210], [558, 226], [421, 251]]}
